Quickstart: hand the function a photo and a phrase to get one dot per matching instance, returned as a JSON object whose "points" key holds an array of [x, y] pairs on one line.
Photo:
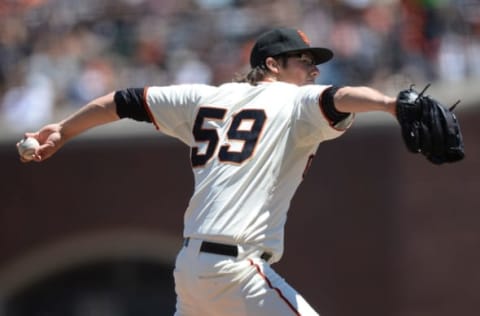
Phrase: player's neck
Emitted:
{"points": [[269, 79]]}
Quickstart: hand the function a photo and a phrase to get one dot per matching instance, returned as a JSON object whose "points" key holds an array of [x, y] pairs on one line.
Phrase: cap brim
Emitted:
{"points": [[320, 55]]}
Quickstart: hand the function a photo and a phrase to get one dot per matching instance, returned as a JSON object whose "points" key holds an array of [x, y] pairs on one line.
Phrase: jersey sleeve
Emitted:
{"points": [[172, 108], [311, 124]]}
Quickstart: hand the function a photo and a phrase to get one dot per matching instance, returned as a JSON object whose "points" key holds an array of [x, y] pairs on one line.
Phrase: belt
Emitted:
{"points": [[223, 249]]}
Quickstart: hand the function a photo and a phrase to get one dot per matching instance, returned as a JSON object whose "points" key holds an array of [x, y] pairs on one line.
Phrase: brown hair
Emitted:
{"points": [[254, 76], [258, 73]]}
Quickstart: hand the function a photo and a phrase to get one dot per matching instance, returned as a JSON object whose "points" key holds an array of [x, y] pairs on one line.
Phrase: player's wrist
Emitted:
{"points": [[390, 105], [63, 130]]}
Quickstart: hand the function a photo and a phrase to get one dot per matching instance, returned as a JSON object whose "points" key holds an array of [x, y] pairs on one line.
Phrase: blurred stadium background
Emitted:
{"points": [[94, 231]]}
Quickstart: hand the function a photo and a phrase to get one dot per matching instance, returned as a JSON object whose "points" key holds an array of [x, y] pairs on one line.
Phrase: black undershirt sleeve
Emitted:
{"points": [[131, 104], [328, 106]]}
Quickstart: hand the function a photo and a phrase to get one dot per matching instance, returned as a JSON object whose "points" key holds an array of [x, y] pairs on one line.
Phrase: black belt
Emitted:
{"points": [[223, 249]]}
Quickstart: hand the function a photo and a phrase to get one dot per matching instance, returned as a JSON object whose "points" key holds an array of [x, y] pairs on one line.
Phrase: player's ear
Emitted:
{"points": [[272, 65]]}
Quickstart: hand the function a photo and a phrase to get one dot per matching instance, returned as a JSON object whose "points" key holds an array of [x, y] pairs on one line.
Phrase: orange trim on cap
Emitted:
{"points": [[269, 283], [147, 108], [304, 37]]}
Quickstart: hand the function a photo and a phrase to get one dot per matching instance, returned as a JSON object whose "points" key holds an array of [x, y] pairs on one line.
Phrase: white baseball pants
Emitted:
{"points": [[218, 285]]}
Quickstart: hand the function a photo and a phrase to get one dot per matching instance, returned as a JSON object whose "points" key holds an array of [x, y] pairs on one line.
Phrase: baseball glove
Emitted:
{"points": [[428, 127]]}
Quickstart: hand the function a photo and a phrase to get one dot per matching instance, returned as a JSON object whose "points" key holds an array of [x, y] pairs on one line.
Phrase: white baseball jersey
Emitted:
{"points": [[250, 146]]}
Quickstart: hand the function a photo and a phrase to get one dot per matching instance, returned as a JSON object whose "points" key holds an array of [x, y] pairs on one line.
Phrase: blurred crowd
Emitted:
{"points": [[55, 55]]}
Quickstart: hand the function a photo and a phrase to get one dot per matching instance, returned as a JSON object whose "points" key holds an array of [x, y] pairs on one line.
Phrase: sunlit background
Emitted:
{"points": [[56, 55]]}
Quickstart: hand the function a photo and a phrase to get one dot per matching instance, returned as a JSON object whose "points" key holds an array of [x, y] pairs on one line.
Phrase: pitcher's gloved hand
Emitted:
{"points": [[429, 128]]}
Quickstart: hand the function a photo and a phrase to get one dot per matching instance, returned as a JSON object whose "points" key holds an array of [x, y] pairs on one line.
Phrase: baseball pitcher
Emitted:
{"points": [[251, 142]]}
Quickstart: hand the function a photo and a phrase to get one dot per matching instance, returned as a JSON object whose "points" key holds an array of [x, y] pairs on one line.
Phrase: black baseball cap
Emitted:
{"points": [[285, 40]]}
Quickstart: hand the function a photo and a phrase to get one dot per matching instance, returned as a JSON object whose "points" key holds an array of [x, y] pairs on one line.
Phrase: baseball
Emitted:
{"points": [[27, 147]]}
